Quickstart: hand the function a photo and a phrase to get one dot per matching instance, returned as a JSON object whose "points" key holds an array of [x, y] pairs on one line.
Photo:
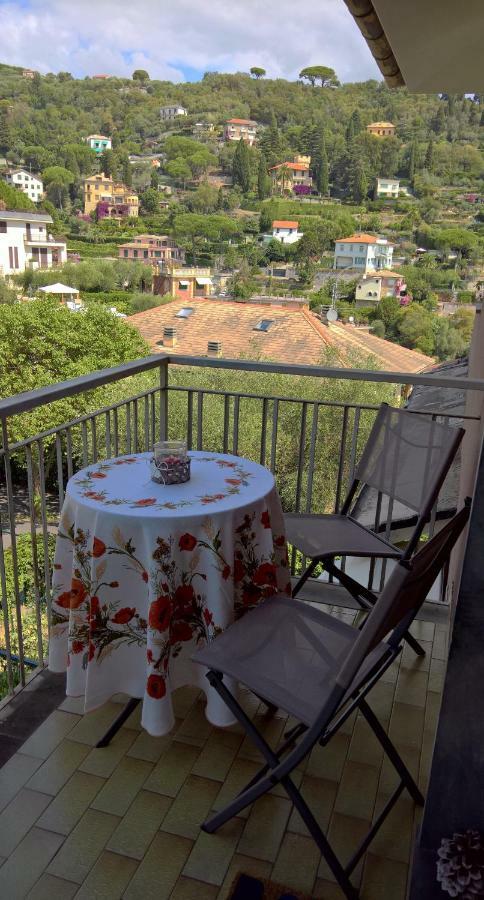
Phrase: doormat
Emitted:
{"points": [[246, 887]]}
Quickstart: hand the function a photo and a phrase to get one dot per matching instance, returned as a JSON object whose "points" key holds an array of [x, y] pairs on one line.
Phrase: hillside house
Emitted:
{"points": [[387, 188], [286, 231], [363, 251], [292, 176], [109, 198], [373, 286], [152, 248], [168, 113], [28, 73], [201, 128], [381, 129], [235, 129], [98, 142], [24, 181], [183, 282], [25, 242]]}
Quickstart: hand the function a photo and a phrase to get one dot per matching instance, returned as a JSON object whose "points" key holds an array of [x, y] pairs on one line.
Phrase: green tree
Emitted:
{"points": [[359, 183], [354, 126], [257, 72], [319, 166], [263, 180], [150, 201], [179, 170], [154, 179], [140, 75], [13, 198], [416, 328], [324, 74], [429, 156], [5, 130], [106, 162], [412, 160], [57, 182], [241, 166]]}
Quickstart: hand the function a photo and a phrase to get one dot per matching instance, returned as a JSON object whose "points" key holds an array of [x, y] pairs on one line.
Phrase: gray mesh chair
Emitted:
{"points": [[405, 461], [319, 669]]}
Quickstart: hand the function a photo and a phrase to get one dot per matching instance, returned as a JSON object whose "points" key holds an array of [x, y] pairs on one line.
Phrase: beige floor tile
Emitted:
{"points": [[240, 773], [406, 726], [14, 774], [394, 839], [432, 710], [191, 807], [390, 675], [357, 791], [412, 687], [157, 874], [381, 698], [410, 660], [297, 863], [189, 889], [345, 834], [108, 878], [172, 769], [217, 756], [364, 747], [211, 853], [183, 699], [195, 728], [437, 675], [326, 890], [383, 878], [134, 720], [147, 747], [328, 762], [93, 725], [58, 768], [121, 788], [423, 631], [49, 887], [19, 817], [320, 795], [102, 761], [265, 828], [440, 647], [258, 868], [73, 705], [71, 803], [50, 734], [271, 728], [83, 846], [388, 776], [137, 829], [26, 864]]}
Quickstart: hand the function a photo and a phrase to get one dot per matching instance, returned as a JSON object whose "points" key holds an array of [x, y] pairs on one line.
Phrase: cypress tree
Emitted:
{"points": [[262, 178], [412, 160], [359, 183], [429, 156], [319, 166], [5, 136], [241, 166]]}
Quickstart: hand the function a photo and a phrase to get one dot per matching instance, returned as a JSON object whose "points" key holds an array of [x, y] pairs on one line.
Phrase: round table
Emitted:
{"points": [[144, 573]]}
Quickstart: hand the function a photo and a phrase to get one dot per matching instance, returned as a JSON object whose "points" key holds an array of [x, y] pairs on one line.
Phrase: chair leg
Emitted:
{"points": [[121, 719], [391, 752], [304, 577]]}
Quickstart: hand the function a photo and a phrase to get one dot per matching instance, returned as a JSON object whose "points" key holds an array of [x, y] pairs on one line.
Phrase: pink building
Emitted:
{"points": [[152, 248], [235, 129]]}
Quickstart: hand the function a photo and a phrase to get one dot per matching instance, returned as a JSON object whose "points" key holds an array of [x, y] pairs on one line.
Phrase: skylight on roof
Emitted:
{"points": [[185, 312], [264, 325]]}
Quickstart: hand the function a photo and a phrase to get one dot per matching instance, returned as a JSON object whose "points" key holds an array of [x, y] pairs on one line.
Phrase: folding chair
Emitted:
{"points": [[406, 460], [319, 669]]}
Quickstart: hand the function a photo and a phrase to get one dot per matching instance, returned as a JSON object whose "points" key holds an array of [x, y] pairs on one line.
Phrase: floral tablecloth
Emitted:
{"points": [[145, 572]]}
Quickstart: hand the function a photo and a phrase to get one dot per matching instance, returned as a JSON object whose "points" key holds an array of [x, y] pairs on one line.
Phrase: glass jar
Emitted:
{"points": [[171, 463]]}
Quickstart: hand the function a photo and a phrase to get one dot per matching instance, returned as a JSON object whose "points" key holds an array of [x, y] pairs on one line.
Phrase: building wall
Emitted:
{"points": [[387, 187], [380, 132], [286, 235], [99, 145], [27, 183], [17, 251], [363, 256], [172, 112], [235, 132]]}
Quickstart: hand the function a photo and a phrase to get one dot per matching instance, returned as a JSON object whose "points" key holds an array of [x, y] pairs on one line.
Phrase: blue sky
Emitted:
{"points": [[179, 40]]}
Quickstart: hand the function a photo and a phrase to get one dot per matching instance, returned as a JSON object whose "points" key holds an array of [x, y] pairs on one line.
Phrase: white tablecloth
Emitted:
{"points": [[145, 572]]}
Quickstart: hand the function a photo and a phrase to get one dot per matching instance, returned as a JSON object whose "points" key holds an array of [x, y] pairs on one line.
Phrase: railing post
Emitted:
{"points": [[13, 550], [163, 400]]}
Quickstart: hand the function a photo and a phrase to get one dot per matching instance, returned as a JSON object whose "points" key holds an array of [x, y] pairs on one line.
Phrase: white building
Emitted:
{"points": [[363, 251], [25, 242], [286, 231], [389, 188], [26, 182], [99, 142], [172, 112]]}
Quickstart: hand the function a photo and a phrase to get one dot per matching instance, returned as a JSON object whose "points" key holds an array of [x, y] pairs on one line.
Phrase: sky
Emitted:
{"points": [[179, 40]]}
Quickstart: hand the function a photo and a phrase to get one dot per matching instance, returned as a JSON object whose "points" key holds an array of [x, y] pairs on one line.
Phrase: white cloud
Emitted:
{"points": [[166, 36]]}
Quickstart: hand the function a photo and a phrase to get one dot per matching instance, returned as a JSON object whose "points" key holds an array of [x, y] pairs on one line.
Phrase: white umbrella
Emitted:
{"points": [[58, 288]]}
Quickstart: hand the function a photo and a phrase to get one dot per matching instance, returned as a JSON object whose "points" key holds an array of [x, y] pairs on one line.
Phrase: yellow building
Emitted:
{"points": [[381, 129], [121, 200]]}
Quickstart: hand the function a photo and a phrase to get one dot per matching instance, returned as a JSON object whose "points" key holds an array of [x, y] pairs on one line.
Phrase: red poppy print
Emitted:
{"points": [[94, 606], [98, 475], [180, 632], [75, 597], [265, 519], [280, 541], [98, 547], [124, 615], [251, 594], [92, 650], [77, 647], [160, 613], [266, 574], [239, 570], [145, 501], [226, 573], [208, 617], [187, 542], [233, 481], [144, 576], [183, 599], [156, 687]]}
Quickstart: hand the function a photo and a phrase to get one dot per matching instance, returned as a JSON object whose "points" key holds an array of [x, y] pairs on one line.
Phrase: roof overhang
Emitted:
{"points": [[430, 47]]}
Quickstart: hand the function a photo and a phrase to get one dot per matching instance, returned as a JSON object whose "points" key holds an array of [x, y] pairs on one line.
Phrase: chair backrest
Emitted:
{"points": [[406, 459]]}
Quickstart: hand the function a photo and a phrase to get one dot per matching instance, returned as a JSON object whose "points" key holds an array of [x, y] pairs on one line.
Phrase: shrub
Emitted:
{"points": [[378, 328]]}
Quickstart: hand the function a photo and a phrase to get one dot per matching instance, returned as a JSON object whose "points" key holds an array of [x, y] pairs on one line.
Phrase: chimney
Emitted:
{"points": [[169, 336], [214, 348]]}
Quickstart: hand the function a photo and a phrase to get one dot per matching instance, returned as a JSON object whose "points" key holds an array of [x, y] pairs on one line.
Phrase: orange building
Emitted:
{"points": [[381, 129]]}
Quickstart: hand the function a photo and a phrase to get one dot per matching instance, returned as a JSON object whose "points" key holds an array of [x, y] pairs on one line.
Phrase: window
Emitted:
{"points": [[360, 260], [264, 325], [125, 252], [157, 253], [3, 227], [183, 286], [135, 254], [361, 248], [145, 254], [185, 312]]}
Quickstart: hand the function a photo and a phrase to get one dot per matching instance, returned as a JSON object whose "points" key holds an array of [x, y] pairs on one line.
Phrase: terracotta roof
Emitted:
{"points": [[283, 223], [298, 167], [381, 125], [382, 273], [296, 335], [240, 122], [362, 239]]}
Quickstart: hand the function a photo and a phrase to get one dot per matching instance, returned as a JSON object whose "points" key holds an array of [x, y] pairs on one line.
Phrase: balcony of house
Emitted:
{"points": [[124, 821]]}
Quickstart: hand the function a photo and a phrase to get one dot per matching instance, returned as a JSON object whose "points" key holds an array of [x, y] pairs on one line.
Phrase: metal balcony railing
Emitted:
{"points": [[273, 413]]}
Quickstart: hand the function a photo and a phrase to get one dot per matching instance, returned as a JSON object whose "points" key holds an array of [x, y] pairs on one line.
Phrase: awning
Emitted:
{"points": [[203, 280], [58, 288], [184, 283]]}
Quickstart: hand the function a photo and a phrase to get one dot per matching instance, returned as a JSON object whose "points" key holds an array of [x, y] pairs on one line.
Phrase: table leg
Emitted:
{"points": [[126, 712]]}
